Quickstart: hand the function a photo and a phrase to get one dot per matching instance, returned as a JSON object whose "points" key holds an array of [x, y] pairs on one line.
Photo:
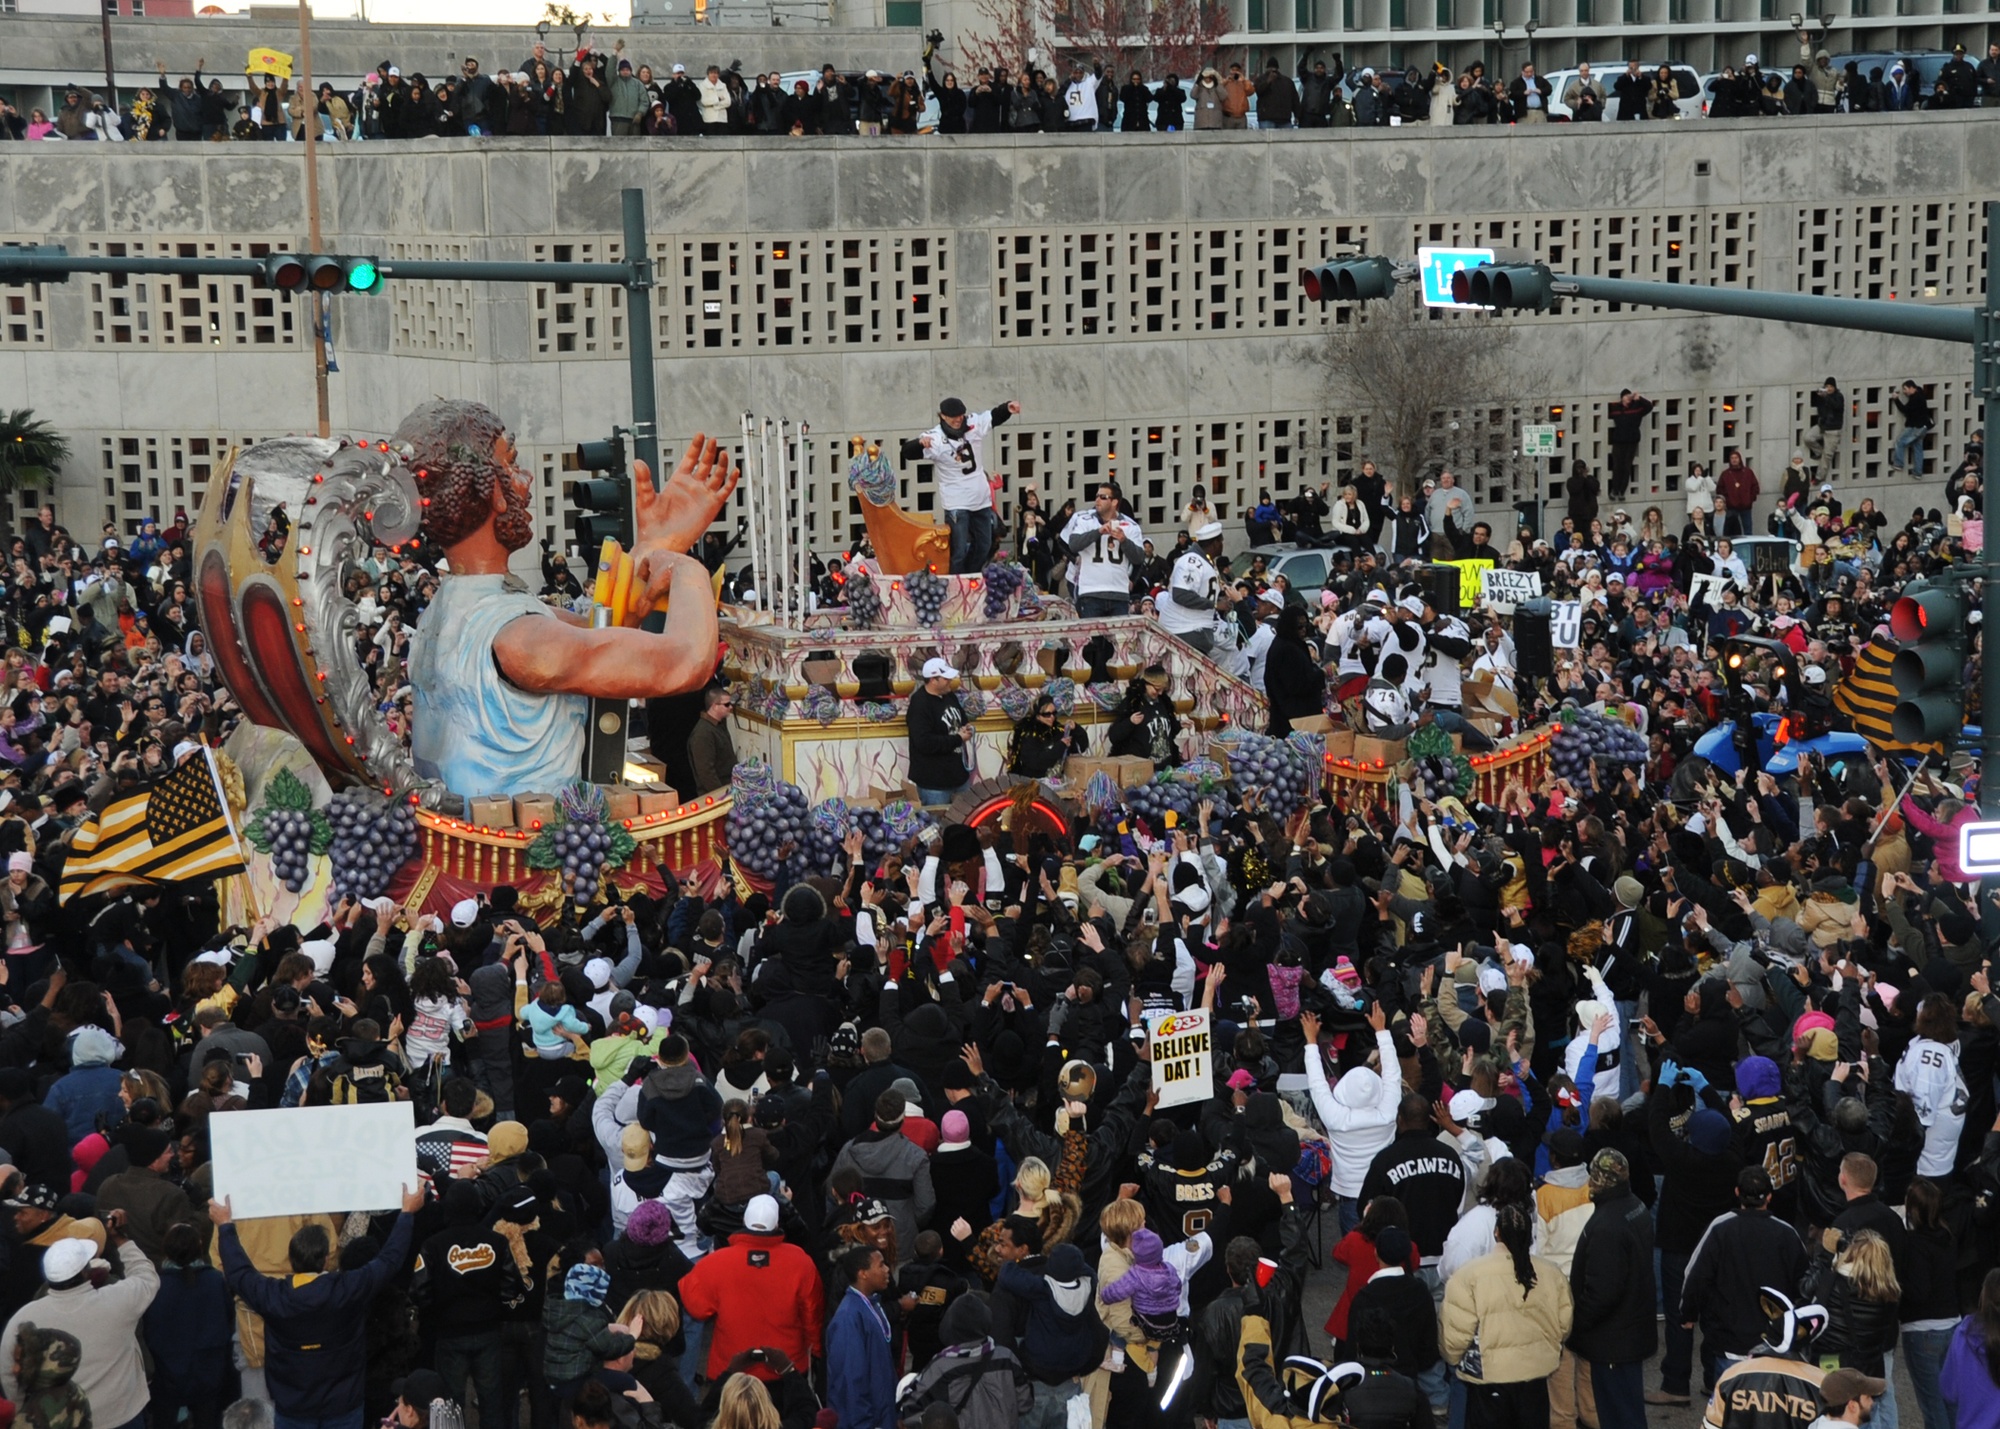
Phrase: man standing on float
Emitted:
{"points": [[956, 448]]}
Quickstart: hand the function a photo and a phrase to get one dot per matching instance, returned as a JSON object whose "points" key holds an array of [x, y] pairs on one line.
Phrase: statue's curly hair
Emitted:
{"points": [[450, 450]]}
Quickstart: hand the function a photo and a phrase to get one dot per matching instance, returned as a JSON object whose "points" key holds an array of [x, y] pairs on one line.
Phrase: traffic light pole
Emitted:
{"points": [[1986, 390], [32, 264], [1978, 328]]}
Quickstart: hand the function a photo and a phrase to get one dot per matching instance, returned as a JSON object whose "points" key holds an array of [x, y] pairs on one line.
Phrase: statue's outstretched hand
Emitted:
{"points": [[675, 517]]}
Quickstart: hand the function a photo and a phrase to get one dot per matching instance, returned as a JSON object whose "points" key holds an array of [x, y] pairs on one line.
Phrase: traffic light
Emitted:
{"points": [[1929, 671], [285, 272], [1743, 655], [601, 508], [1349, 280], [321, 273], [1504, 285]]}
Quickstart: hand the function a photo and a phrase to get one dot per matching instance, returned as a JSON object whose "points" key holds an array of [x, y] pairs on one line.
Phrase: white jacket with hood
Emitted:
{"points": [[1358, 1112]]}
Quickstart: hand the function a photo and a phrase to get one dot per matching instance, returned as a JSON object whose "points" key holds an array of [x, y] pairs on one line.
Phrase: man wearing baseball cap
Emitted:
{"points": [[956, 448], [941, 758], [1849, 1397], [1611, 1278]]}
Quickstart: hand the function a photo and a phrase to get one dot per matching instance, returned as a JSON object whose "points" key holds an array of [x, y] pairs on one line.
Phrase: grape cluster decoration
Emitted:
{"points": [[765, 815], [927, 593], [1257, 761], [1444, 769], [373, 837], [1003, 578], [826, 825], [864, 602], [1152, 801], [1587, 736], [583, 841], [289, 829]]}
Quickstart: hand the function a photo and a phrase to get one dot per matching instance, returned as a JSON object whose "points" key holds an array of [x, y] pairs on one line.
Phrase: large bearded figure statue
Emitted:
{"points": [[502, 681]]}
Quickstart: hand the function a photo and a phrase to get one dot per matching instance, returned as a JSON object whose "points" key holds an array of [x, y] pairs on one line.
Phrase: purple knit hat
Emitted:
{"points": [[649, 1224]]}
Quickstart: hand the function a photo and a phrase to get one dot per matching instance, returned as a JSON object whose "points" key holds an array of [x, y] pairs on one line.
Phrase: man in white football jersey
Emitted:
{"points": [[1195, 591], [1104, 547], [956, 447]]}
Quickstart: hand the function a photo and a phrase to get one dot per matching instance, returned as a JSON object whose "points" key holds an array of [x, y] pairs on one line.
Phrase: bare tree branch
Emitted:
{"points": [[1403, 369]]}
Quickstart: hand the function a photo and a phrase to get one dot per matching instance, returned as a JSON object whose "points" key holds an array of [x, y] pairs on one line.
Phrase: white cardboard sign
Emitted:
{"points": [[1183, 1052], [304, 1160], [1504, 589], [1565, 623], [1705, 589]]}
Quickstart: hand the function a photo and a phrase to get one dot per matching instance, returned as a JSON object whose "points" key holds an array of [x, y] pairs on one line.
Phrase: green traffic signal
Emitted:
{"points": [[321, 273]]}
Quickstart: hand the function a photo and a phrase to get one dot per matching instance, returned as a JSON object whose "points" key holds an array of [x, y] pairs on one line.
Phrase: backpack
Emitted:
{"points": [[350, 1085]]}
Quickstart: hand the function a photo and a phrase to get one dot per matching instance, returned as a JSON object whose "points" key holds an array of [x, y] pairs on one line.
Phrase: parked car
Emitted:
{"points": [[1303, 567], [1606, 74]]}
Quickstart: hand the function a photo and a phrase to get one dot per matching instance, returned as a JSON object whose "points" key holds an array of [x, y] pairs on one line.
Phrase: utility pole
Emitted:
{"points": [[639, 335], [1986, 390], [322, 313], [110, 79]]}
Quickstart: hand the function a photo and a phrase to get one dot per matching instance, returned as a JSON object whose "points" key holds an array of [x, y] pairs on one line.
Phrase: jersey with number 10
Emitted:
{"points": [[1101, 565]]}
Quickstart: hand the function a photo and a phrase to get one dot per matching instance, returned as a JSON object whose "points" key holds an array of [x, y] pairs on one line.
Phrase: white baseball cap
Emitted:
{"points": [[464, 912], [938, 668], [761, 1214], [680, 69], [66, 1259], [1208, 531]]}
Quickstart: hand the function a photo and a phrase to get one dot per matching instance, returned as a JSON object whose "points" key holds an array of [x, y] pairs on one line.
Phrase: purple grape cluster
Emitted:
{"points": [[761, 824], [1003, 578], [373, 837], [927, 593], [291, 834], [1257, 761], [581, 846], [1152, 802], [864, 602]]}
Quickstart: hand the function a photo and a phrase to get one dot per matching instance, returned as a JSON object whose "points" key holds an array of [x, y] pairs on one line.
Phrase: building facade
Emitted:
{"points": [[1139, 296]]}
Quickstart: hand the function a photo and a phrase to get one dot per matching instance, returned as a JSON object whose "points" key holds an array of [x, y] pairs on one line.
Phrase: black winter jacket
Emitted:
{"points": [[1859, 1332], [1740, 1253], [1611, 1278], [937, 754], [1697, 1188], [1218, 1327]]}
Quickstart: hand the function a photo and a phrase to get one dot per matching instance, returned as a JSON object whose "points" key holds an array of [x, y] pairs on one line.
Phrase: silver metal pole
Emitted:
{"points": [[784, 508], [753, 513]]}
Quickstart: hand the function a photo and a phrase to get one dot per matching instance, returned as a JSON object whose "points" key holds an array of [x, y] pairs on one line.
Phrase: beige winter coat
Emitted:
{"points": [[1519, 1339]]}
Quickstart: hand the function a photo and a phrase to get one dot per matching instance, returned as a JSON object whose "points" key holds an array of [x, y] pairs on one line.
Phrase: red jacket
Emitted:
{"points": [[761, 1293], [1738, 485]]}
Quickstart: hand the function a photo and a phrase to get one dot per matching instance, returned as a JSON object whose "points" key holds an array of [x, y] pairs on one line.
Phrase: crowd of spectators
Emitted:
{"points": [[607, 92], [881, 1145]]}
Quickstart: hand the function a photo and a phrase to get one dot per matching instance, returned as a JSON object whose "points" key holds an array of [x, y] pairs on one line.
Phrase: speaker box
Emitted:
{"points": [[1534, 648], [873, 670], [604, 742], [1441, 583]]}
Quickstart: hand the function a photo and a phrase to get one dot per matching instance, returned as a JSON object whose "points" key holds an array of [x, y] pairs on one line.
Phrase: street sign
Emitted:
{"points": [[1979, 847], [1538, 439], [1436, 265]]}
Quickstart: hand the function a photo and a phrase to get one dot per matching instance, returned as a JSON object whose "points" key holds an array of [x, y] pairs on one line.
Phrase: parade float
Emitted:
{"points": [[471, 772], [336, 797]]}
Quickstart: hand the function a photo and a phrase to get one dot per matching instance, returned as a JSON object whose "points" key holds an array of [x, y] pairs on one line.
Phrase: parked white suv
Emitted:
{"points": [[1606, 74]]}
